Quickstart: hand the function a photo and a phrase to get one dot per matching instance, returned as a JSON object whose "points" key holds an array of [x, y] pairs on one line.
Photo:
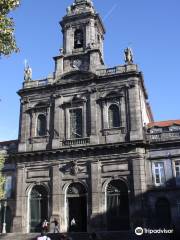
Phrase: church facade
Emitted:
{"points": [[88, 150]]}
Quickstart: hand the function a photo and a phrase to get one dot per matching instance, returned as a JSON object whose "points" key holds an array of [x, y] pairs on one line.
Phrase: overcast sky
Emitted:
{"points": [[150, 28]]}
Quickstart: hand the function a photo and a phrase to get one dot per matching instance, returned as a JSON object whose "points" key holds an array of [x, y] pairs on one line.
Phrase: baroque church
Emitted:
{"points": [[88, 148]]}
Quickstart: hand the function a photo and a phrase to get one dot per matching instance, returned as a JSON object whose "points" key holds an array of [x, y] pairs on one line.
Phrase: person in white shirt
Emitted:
{"points": [[43, 237]]}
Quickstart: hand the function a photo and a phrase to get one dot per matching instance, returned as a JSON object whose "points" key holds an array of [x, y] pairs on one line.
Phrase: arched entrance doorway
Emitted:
{"points": [[77, 208], [38, 207], [117, 206], [163, 212]]}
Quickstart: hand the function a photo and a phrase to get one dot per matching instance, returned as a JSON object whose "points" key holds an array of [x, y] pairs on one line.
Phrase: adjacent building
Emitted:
{"points": [[88, 149]]}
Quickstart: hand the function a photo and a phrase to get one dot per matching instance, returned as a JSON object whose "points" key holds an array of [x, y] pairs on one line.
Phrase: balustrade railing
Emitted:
{"points": [[116, 70], [76, 141], [163, 136]]}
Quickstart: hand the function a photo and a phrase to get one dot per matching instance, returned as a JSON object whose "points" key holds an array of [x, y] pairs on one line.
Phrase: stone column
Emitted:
{"points": [[69, 40], [56, 194], [24, 128], [139, 180], [19, 222], [58, 123], [93, 118], [84, 115], [105, 115], [59, 65], [95, 198], [123, 112], [135, 113]]}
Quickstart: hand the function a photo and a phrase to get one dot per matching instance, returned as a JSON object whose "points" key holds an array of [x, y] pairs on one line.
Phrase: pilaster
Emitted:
{"points": [[19, 222], [136, 126], [56, 194], [139, 182], [96, 190]]}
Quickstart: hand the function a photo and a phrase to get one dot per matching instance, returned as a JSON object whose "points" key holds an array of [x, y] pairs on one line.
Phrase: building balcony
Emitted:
{"points": [[163, 136], [76, 141]]}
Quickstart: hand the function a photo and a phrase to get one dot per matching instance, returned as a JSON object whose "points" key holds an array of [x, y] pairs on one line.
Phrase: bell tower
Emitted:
{"points": [[83, 35]]}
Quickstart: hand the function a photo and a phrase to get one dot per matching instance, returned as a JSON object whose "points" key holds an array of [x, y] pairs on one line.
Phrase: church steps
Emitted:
{"points": [[85, 236]]}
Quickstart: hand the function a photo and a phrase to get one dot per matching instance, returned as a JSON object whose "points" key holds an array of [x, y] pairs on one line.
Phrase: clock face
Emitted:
{"points": [[76, 63]]}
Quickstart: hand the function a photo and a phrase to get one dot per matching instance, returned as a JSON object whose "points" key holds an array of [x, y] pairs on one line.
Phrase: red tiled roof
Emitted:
{"points": [[164, 123]]}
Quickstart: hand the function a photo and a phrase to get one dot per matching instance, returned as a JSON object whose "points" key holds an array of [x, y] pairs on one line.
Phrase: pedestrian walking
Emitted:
{"points": [[56, 226]]}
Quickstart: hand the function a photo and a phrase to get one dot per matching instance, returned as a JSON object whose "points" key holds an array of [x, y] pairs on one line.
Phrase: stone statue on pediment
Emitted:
{"points": [[68, 10], [128, 56], [27, 74]]}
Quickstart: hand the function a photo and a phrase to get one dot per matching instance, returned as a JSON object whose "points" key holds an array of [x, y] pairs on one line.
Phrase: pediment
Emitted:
{"points": [[78, 75]]}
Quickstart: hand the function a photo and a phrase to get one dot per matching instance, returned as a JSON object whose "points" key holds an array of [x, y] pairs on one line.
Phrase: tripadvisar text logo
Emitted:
{"points": [[140, 231]]}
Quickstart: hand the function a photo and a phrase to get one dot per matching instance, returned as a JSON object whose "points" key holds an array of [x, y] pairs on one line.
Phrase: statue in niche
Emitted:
{"points": [[74, 168], [27, 74], [128, 55]]}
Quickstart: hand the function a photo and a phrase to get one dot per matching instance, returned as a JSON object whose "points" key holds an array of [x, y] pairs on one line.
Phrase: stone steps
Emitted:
{"points": [[85, 236]]}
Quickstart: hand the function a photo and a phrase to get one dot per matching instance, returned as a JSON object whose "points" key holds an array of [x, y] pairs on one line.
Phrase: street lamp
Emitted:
{"points": [[4, 217]]}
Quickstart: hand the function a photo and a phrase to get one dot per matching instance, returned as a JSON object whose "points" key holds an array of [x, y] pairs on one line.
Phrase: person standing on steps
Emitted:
{"points": [[45, 226], [56, 226]]}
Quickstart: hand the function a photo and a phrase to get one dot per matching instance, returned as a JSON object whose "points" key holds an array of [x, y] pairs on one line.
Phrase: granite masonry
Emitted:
{"points": [[89, 152]]}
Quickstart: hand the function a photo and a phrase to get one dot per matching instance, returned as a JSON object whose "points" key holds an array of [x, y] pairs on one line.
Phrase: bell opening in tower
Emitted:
{"points": [[78, 38]]}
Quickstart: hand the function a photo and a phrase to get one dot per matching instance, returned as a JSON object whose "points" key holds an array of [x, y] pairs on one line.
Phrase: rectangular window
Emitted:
{"points": [[177, 169], [177, 172], [8, 187], [159, 174], [76, 130]]}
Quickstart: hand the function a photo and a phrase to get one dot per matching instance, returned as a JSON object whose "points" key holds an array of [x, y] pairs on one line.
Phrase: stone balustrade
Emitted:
{"points": [[163, 136], [76, 141], [38, 83], [99, 72], [117, 70]]}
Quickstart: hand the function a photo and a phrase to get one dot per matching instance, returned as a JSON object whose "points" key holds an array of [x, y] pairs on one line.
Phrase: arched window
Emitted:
{"points": [[77, 208], [41, 125], [78, 39], [117, 206], [76, 189], [38, 207], [114, 116]]}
